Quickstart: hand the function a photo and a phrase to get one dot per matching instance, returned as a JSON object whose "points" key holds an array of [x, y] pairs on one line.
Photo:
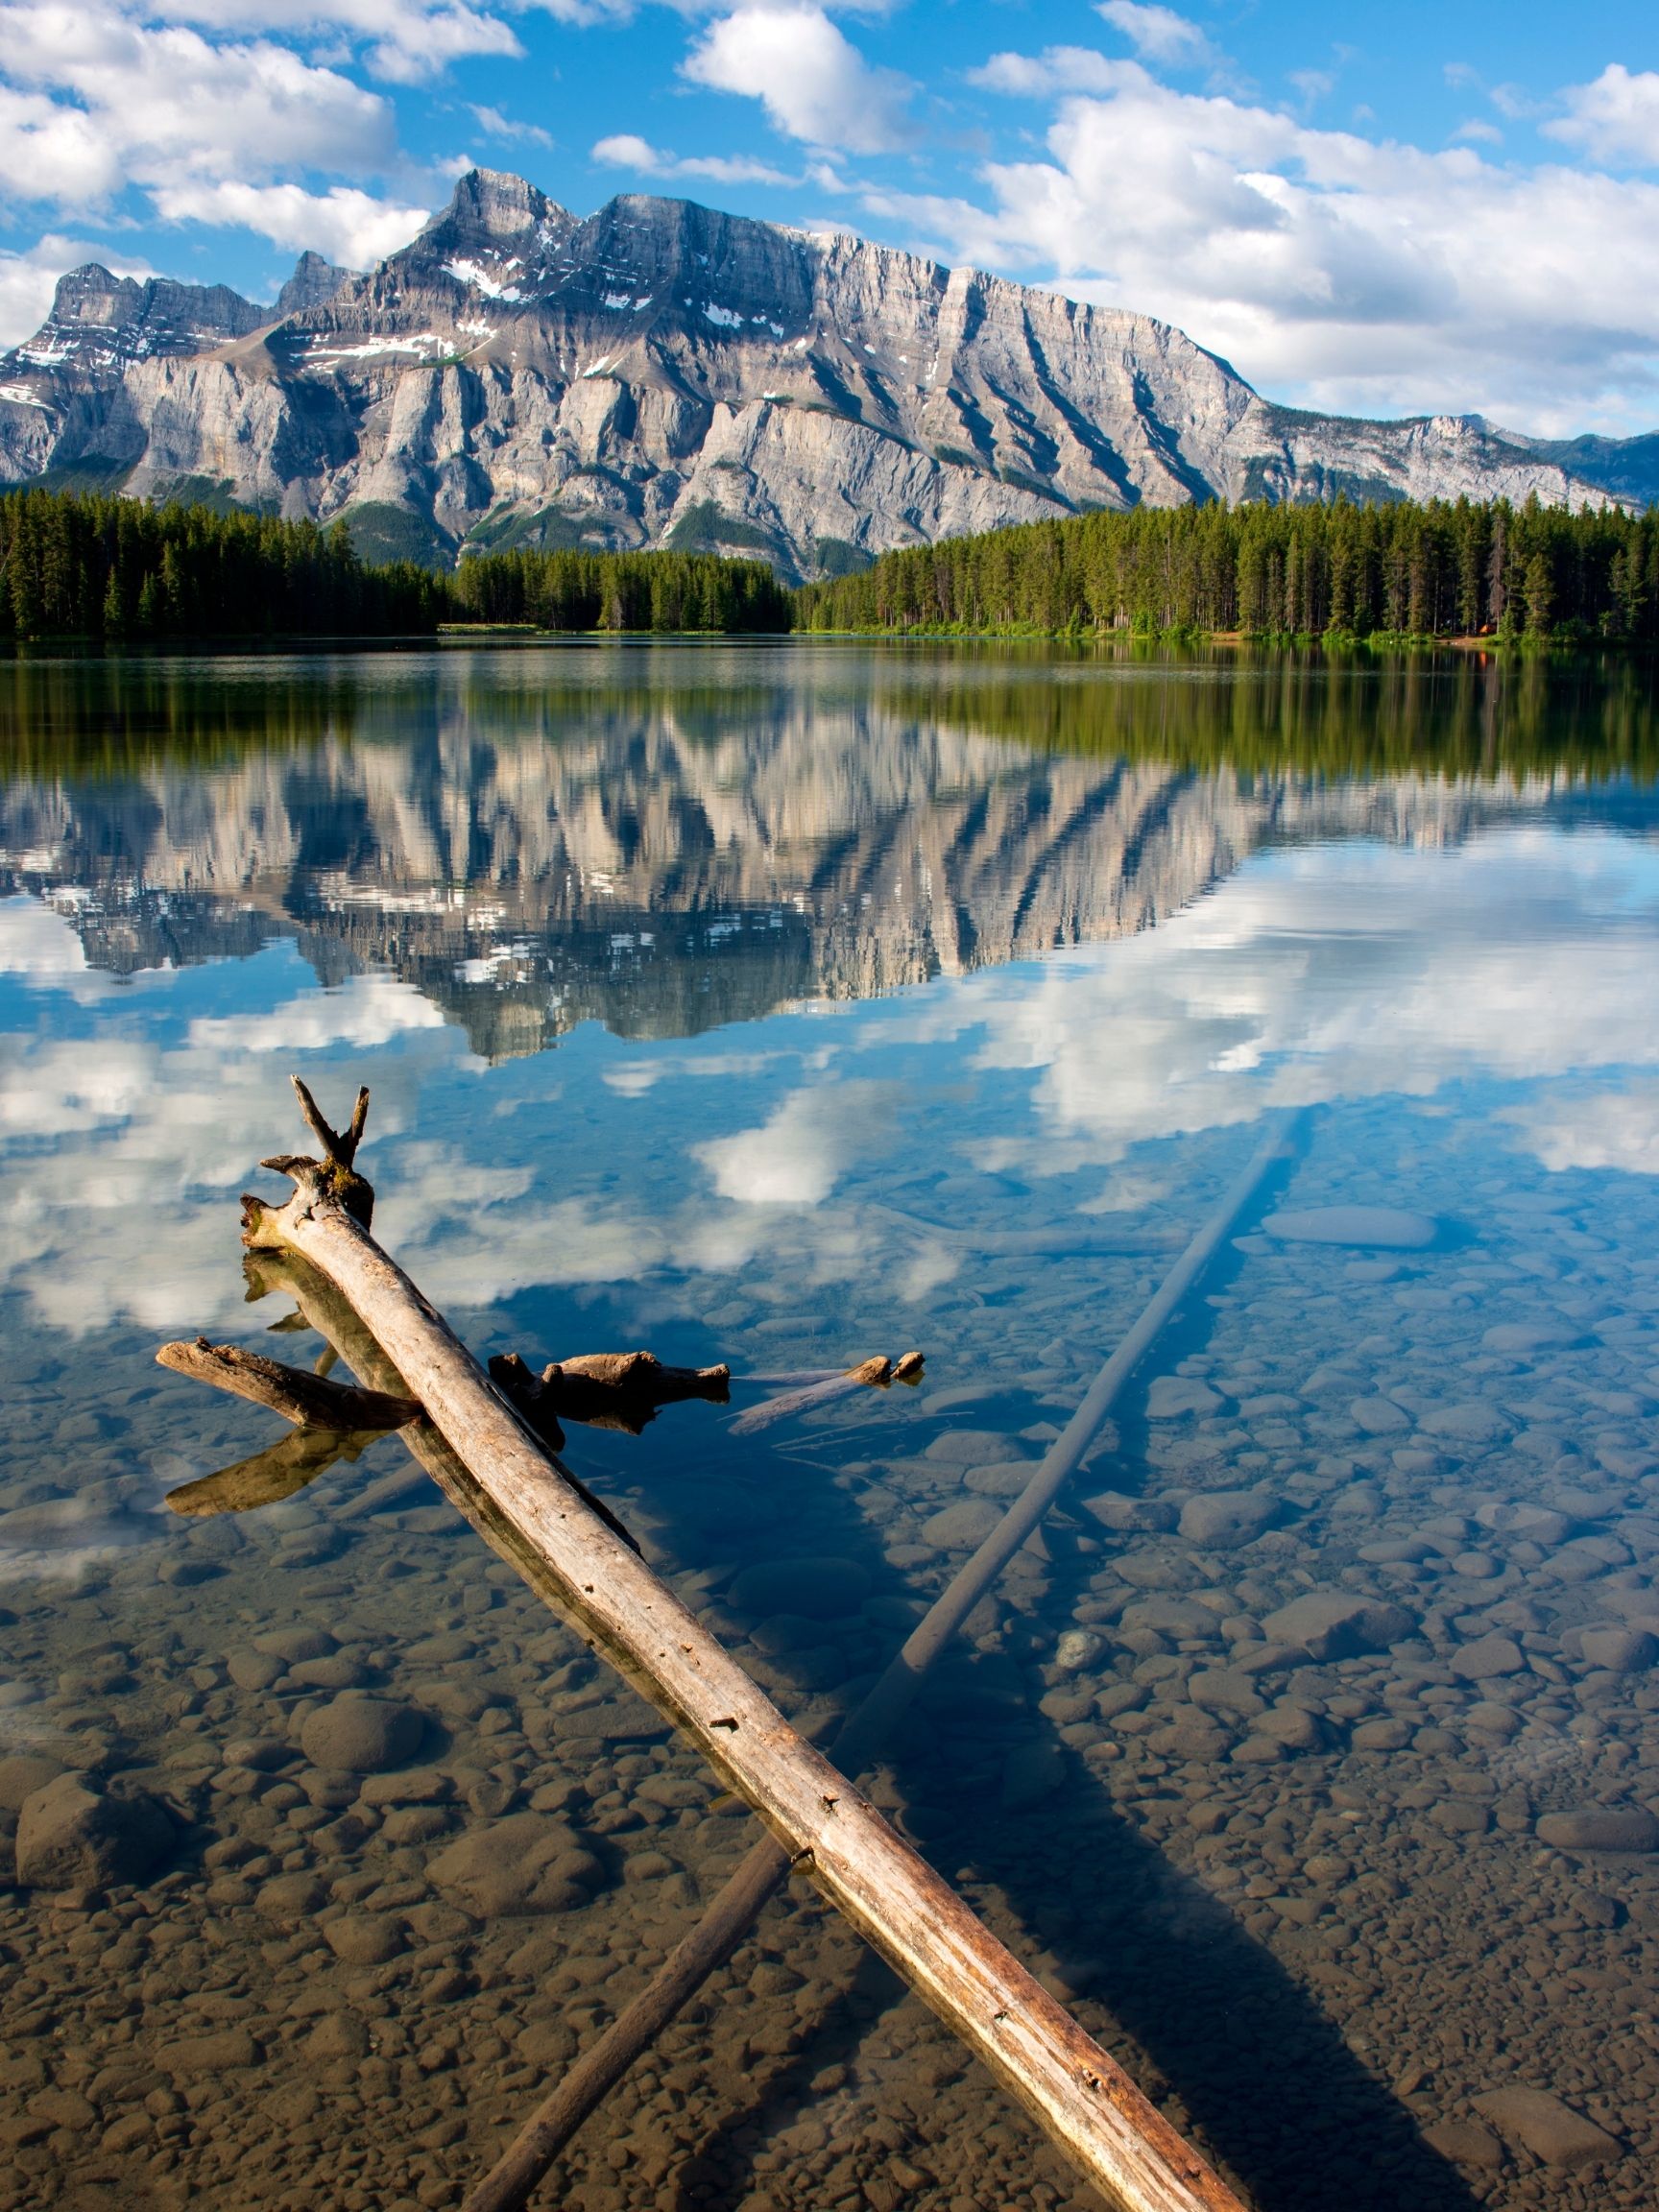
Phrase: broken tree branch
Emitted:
{"points": [[731, 1914], [602, 1390], [309, 1400], [869, 1375], [1082, 2098]]}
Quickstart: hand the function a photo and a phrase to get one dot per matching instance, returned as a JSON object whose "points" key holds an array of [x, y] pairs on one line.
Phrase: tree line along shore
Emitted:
{"points": [[80, 565]]}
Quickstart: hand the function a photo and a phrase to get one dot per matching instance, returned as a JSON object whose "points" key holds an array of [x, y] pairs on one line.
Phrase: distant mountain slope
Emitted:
{"points": [[660, 373]]}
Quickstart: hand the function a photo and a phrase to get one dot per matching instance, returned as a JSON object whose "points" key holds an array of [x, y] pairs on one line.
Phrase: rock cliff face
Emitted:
{"points": [[663, 374], [659, 867]]}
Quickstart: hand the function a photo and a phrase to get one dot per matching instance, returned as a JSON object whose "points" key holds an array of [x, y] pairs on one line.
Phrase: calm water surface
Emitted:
{"points": [[784, 1005]]}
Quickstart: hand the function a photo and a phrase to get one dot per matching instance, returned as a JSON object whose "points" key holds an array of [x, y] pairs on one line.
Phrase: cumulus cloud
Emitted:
{"points": [[212, 117], [1329, 974], [801, 1151], [348, 226], [625, 151], [1371, 277], [403, 40], [1615, 1128], [1159, 34], [98, 100], [813, 80], [1615, 119]]}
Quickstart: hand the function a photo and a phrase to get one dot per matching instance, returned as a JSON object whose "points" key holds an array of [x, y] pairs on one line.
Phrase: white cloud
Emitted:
{"points": [[1159, 34], [149, 103], [813, 80], [1056, 70], [1615, 119], [404, 41], [803, 1148], [625, 151], [1332, 972], [1369, 276], [501, 126], [1617, 1129], [347, 225]]}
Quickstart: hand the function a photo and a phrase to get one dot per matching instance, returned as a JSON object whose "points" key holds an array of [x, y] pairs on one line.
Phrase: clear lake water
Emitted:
{"points": [[784, 1004]]}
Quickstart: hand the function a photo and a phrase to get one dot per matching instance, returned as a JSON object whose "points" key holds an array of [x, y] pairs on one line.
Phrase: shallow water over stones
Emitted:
{"points": [[1318, 1728]]}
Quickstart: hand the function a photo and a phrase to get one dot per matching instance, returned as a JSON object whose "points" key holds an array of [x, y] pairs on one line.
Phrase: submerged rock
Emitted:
{"points": [[524, 1863], [1387, 1228], [22, 1774], [1599, 1828], [1466, 2143], [1225, 1519], [1546, 2127], [1488, 1658], [1173, 1397], [1339, 1624], [361, 1735], [74, 1835]]}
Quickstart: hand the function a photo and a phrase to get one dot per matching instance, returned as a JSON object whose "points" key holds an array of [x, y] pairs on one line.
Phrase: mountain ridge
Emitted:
{"points": [[658, 373]]}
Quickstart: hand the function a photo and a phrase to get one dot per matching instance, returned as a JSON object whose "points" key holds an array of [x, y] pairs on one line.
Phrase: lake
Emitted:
{"points": [[787, 1005]]}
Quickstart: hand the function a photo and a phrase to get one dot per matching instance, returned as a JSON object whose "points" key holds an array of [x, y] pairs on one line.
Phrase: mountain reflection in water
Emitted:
{"points": [[671, 838]]}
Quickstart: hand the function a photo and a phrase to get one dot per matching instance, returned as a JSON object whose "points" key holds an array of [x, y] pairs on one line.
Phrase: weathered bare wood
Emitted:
{"points": [[875, 1374], [1082, 2098], [731, 1914], [268, 1476], [309, 1400]]}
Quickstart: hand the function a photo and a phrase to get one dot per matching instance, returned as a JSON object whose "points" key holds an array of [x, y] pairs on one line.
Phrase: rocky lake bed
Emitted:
{"points": [[1309, 1751]]}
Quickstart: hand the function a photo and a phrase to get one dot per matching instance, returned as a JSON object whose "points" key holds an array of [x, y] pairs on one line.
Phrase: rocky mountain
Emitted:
{"points": [[531, 854], [658, 373]]}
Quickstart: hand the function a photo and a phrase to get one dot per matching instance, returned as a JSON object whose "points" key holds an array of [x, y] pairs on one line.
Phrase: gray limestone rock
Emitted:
{"points": [[661, 373]]}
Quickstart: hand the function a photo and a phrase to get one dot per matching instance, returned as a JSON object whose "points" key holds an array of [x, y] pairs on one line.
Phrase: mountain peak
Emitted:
{"points": [[313, 284], [491, 205], [664, 373]]}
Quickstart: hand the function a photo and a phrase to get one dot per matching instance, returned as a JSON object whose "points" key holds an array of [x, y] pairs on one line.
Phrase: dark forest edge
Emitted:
{"points": [[76, 566], [1386, 574]]}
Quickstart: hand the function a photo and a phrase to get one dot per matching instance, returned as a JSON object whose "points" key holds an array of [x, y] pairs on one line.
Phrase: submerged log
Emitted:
{"points": [[875, 1374], [308, 1400], [1081, 2096], [731, 1913]]}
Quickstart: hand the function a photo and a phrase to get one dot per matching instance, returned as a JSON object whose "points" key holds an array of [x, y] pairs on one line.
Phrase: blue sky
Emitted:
{"points": [[1446, 208]]}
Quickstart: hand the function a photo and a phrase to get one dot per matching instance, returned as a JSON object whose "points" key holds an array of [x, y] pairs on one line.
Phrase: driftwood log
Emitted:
{"points": [[1084, 2101], [309, 1400], [602, 1390], [876, 1374], [763, 1870]]}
